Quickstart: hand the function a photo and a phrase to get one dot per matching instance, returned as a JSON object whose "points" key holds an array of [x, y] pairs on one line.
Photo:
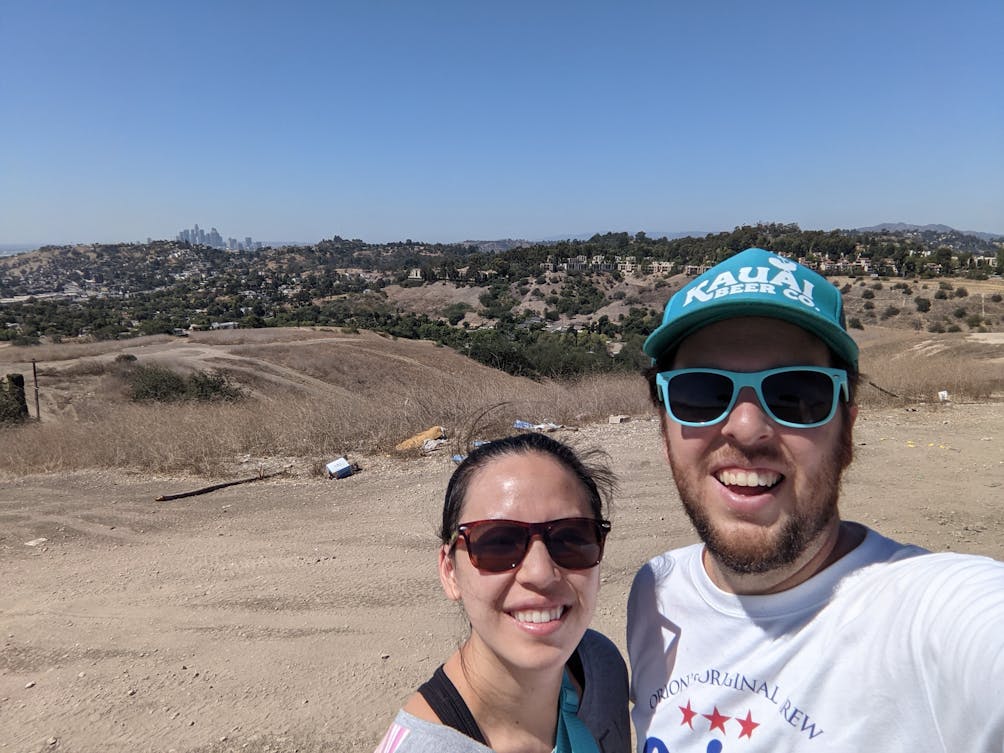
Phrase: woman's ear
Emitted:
{"points": [[448, 573]]}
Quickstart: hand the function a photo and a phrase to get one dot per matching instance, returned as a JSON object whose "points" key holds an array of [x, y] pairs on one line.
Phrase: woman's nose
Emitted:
{"points": [[537, 566]]}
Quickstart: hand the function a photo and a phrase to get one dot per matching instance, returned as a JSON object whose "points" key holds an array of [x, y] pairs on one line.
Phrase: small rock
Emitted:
{"points": [[30, 684]]}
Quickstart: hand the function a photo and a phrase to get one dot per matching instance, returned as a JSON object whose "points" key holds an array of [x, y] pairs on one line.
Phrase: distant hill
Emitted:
{"points": [[9, 249], [496, 305], [498, 246], [903, 227], [653, 234]]}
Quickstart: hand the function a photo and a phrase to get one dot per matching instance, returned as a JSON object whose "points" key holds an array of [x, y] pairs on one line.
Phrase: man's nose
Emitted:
{"points": [[748, 422]]}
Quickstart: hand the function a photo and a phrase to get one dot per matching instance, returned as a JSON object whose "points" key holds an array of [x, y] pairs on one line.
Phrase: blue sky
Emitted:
{"points": [[444, 121]]}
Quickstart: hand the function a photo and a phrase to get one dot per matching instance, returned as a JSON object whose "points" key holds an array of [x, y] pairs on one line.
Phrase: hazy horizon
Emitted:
{"points": [[451, 121]]}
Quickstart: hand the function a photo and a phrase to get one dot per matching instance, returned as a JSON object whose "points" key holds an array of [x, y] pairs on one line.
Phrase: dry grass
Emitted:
{"points": [[315, 396], [49, 352], [209, 439], [319, 394], [901, 367]]}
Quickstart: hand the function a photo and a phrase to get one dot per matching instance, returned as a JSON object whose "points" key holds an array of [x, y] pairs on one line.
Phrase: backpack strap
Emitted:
{"points": [[444, 698], [572, 735]]}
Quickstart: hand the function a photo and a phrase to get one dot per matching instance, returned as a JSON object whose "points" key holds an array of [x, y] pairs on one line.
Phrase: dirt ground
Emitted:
{"points": [[297, 614]]}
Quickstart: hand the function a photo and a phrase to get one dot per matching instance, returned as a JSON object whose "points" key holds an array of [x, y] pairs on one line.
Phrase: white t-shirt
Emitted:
{"points": [[891, 648]]}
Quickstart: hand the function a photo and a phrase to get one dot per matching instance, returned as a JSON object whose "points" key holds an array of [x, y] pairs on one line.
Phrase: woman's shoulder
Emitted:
{"points": [[604, 703], [410, 734], [602, 663], [596, 647]]}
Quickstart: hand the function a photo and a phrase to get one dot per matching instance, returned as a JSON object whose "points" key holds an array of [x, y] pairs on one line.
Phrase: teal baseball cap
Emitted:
{"points": [[756, 282]]}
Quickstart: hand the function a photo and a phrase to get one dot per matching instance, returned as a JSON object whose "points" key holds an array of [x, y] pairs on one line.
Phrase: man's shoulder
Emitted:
{"points": [[913, 570], [878, 549], [663, 565]]}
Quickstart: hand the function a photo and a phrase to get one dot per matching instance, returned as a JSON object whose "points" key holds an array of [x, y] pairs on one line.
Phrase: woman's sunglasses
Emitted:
{"points": [[498, 545], [800, 397]]}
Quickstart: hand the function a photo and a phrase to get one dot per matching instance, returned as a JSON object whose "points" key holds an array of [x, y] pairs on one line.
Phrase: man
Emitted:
{"points": [[789, 629]]}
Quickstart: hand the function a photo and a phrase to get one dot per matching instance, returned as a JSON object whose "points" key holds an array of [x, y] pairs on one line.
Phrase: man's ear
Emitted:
{"points": [[448, 573]]}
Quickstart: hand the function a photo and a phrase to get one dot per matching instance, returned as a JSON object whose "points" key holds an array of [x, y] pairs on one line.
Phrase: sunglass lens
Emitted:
{"points": [[575, 544], [699, 397], [497, 546], [799, 397]]}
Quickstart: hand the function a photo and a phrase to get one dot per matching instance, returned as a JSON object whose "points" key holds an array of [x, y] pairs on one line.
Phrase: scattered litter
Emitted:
{"points": [[430, 445], [458, 458], [943, 396], [341, 468], [545, 426], [416, 441], [35, 542], [619, 419]]}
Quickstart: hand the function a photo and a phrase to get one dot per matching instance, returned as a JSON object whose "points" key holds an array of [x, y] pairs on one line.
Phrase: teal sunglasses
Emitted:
{"points": [[799, 397]]}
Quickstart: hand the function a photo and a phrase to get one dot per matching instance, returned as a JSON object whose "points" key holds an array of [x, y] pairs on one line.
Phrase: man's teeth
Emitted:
{"points": [[748, 478], [538, 615]]}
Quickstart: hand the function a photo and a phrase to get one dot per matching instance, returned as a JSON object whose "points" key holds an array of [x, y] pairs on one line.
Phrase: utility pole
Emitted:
{"points": [[34, 374]]}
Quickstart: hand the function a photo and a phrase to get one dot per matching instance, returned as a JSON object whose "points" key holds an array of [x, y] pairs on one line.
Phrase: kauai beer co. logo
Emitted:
{"points": [[779, 278]]}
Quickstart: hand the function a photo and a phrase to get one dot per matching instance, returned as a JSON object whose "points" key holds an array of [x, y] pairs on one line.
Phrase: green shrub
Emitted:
{"points": [[160, 384], [923, 304], [206, 386], [155, 383]]}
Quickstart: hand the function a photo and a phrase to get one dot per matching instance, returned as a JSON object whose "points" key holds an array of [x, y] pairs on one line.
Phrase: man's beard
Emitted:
{"points": [[762, 551]]}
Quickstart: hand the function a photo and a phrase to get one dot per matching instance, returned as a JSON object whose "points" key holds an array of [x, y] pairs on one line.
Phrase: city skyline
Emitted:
{"points": [[213, 238], [453, 121]]}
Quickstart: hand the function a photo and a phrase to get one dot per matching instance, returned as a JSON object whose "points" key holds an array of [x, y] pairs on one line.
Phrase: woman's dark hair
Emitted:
{"points": [[590, 468]]}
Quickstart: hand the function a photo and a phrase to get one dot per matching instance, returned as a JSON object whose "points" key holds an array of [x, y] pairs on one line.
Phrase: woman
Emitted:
{"points": [[522, 538]]}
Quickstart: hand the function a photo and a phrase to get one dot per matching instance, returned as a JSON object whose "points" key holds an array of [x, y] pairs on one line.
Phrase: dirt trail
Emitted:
{"points": [[297, 614]]}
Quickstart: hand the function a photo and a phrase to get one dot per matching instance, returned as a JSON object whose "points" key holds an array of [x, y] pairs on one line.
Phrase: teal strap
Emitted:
{"points": [[573, 735]]}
